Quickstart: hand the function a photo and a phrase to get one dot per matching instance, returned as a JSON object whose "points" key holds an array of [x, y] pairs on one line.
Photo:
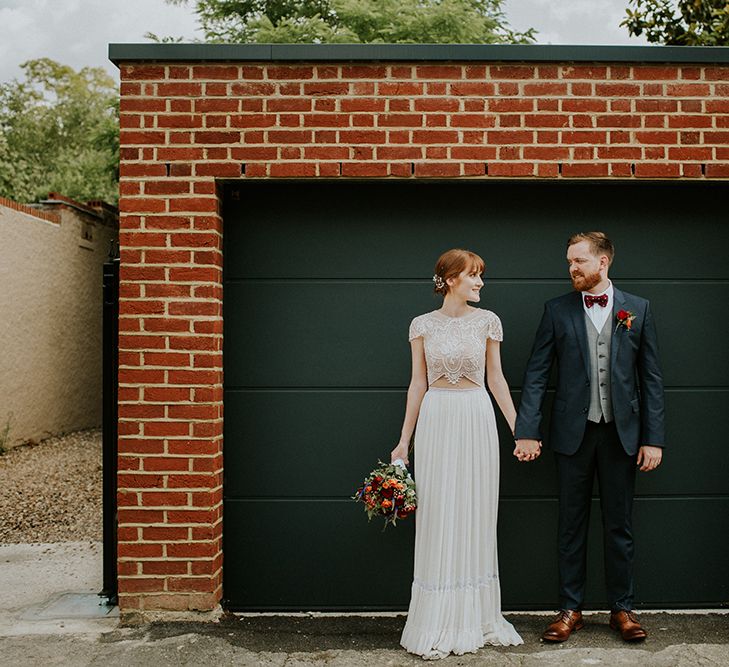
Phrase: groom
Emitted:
{"points": [[607, 418]]}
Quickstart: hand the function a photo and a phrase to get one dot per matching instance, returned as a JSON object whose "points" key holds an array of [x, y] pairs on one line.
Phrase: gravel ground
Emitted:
{"points": [[51, 492]]}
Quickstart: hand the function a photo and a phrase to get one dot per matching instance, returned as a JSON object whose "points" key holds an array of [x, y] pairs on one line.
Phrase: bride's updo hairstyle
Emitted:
{"points": [[450, 265]]}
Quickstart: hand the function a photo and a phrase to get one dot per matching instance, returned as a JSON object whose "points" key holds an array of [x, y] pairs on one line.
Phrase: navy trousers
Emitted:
{"points": [[601, 453]]}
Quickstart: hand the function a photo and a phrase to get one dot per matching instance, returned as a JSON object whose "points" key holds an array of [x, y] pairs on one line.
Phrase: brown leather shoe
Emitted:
{"points": [[627, 623], [567, 621]]}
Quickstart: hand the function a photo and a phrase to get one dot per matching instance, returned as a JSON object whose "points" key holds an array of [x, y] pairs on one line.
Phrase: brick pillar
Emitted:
{"points": [[171, 366]]}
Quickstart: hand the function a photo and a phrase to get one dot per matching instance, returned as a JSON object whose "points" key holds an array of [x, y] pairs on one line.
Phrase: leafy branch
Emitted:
{"points": [[686, 23]]}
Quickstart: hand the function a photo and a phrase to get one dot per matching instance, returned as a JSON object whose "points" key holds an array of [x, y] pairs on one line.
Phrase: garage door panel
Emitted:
{"points": [[308, 546], [521, 306], [341, 230], [681, 546], [319, 555], [693, 348], [322, 443], [671, 535], [330, 335], [693, 420], [311, 444], [691, 417], [355, 334]]}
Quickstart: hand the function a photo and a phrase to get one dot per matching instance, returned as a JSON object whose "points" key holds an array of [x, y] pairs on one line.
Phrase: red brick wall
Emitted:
{"points": [[29, 210], [184, 125]]}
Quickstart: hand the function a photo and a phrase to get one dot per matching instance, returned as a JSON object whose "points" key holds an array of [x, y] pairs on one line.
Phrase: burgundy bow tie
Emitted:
{"points": [[599, 300]]}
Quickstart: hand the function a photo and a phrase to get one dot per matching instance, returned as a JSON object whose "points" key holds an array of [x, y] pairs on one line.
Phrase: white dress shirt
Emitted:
{"points": [[597, 313]]}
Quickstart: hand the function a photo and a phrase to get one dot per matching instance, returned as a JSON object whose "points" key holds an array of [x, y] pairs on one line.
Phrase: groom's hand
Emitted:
{"points": [[649, 457], [527, 450]]}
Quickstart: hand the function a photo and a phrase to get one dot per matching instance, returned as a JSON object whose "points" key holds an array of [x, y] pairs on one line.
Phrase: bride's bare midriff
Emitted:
{"points": [[463, 383]]}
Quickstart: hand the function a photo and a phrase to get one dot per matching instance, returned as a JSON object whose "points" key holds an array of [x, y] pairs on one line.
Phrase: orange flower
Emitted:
{"points": [[386, 504]]}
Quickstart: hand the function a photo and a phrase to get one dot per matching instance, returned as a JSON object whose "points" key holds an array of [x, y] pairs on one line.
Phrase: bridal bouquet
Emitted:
{"points": [[388, 490]]}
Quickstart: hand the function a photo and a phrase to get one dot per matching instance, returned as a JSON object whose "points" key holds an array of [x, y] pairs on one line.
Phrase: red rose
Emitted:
{"points": [[622, 315]]}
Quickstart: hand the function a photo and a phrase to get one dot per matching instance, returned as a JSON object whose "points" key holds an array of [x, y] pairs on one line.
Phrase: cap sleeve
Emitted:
{"points": [[416, 329], [494, 329]]}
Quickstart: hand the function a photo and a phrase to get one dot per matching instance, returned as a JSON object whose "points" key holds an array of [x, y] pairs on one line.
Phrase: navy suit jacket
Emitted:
{"points": [[635, 372]]}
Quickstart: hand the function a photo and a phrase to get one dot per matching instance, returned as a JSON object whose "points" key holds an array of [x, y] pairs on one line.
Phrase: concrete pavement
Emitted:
{"points": [[49, 615]]}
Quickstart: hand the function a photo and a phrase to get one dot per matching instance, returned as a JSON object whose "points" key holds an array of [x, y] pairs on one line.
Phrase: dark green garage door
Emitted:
{"points": [[321, 281]]}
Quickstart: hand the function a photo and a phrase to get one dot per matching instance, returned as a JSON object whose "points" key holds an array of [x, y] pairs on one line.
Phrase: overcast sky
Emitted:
{"points": [[77, 32]]}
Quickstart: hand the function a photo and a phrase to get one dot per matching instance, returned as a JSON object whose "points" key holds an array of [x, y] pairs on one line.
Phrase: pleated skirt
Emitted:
{"points": [[455, 604]]}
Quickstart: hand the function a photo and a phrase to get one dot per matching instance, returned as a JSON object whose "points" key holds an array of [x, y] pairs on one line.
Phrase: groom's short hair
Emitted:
{"points": [[600, 244]]}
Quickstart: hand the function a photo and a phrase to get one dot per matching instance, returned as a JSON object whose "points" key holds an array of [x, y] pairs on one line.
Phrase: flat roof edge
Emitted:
{"points": [[119, 53]]}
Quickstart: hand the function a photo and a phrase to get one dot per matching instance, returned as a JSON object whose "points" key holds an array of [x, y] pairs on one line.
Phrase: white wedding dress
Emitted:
{"points": [[455, 604]]}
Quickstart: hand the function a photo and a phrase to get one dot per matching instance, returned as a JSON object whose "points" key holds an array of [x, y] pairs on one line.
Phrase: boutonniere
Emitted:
{"points": [[625, 317]]}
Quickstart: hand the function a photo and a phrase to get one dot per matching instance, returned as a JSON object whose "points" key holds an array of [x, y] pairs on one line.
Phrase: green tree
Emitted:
{"points": [[59, 131], [686, 23], [355, 21]]}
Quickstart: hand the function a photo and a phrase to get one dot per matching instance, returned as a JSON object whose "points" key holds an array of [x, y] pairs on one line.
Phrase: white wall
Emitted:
{"points": [[50, 323]]}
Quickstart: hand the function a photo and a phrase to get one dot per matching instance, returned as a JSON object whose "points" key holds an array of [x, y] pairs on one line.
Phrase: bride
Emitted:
{"points": [[455, 604]]}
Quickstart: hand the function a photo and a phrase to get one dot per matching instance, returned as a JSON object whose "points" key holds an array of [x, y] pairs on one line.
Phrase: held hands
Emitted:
{"points": [[400, 452], [649, 458], [527, 450]]}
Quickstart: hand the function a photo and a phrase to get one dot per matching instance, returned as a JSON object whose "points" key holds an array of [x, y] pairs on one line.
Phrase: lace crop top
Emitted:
{"points": [[455, 347]]}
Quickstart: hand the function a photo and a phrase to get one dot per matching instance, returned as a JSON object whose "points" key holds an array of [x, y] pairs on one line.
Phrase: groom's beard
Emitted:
{"points": [[583, 283]]}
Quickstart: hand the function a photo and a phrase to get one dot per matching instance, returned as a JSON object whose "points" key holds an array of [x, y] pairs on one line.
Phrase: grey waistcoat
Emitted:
{"points": [[601, 404]]}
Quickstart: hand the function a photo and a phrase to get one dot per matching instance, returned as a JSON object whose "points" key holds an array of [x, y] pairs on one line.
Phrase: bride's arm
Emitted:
{"points": [[498, 386], [416, 391]]}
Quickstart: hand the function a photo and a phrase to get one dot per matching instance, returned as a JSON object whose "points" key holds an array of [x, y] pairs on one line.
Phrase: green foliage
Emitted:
{"points": [[163, 40], [59, 131], [691, 23], [356, 21]]}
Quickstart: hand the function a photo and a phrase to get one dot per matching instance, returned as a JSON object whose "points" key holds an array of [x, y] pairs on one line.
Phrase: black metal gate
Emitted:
{"points": [[109, 431]]}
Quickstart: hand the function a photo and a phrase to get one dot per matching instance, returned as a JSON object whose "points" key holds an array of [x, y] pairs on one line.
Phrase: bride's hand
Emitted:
{"points": [[400, 452]]}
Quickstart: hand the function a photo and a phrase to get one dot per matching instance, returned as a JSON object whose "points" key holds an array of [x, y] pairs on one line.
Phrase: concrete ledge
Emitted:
{"points": [[142, 617]]}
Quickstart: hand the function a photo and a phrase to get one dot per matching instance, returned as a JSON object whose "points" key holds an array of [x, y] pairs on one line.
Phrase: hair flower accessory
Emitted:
{"points": [[625, 317], [439, 282]]}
